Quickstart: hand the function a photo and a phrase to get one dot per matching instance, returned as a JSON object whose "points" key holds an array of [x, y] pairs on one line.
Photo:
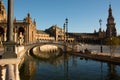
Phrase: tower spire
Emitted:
{"points": [[110, 10], [1, 0], [111, 30], [110, 5]]}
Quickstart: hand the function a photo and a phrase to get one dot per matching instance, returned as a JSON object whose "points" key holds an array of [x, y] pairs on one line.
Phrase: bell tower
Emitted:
{"points": [[111, 30], [3, 16]]}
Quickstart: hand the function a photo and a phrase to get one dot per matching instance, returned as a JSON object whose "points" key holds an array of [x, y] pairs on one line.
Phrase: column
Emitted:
{"points": [[15, 35], [5, 32], [10, 21], [10, 46], [25, 35], [17, 72], [5, 36]]}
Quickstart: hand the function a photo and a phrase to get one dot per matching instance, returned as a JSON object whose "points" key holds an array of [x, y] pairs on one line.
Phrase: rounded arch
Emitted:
{"points": [[21, 35], [1, 34], [1, 31], [21, 29]]}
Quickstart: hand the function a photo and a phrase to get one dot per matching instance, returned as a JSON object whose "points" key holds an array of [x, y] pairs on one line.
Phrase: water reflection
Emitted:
{"points": [[68, 67], [28, 70], [112, 72]]}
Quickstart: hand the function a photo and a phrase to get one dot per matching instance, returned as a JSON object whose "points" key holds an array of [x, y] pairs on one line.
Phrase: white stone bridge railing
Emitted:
{"points": [[9, 67]]}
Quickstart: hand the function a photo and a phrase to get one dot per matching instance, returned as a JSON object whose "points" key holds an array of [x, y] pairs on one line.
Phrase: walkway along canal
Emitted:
{"points": [[95, 54], [100, 57]]}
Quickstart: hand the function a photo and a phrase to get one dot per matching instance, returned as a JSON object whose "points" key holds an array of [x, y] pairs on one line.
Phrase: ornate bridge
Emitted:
{"points": [[63, 46]]}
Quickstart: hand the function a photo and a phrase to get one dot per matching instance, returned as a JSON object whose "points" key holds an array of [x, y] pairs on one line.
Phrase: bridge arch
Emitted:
{"points": [[60, 45], [1, 34], [46, 51], [21, 35]]}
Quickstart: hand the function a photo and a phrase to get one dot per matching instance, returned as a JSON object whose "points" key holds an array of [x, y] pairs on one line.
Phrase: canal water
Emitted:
{"points": [[68, 67]]}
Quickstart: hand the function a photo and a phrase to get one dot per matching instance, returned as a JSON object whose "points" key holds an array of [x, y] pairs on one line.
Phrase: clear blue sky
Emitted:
{"points": [[83, 15]]}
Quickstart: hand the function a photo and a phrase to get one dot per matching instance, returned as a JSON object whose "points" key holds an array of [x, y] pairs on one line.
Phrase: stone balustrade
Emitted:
{"points": [[47, 48], [9, 69]]}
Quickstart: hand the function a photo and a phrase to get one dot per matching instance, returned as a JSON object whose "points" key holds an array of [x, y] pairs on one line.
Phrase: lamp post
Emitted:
{"points": [[66, 21], [64, 31], [10, 46], [100, 21], [10, 21], [65, 56]]}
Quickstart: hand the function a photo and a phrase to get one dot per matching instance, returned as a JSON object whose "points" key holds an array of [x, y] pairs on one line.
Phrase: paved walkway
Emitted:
{"points": [[99, 57]]}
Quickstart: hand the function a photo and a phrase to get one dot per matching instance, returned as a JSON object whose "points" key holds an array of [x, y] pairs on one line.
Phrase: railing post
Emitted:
{"points": [[17, 72], [10, 75], [3, 72]]}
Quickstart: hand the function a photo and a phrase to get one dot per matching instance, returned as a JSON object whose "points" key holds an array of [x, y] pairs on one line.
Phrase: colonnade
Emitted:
{"points": [[17, 38]]}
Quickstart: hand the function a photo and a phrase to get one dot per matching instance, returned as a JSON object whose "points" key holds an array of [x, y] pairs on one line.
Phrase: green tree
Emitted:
{"points": [[112, 43]]}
